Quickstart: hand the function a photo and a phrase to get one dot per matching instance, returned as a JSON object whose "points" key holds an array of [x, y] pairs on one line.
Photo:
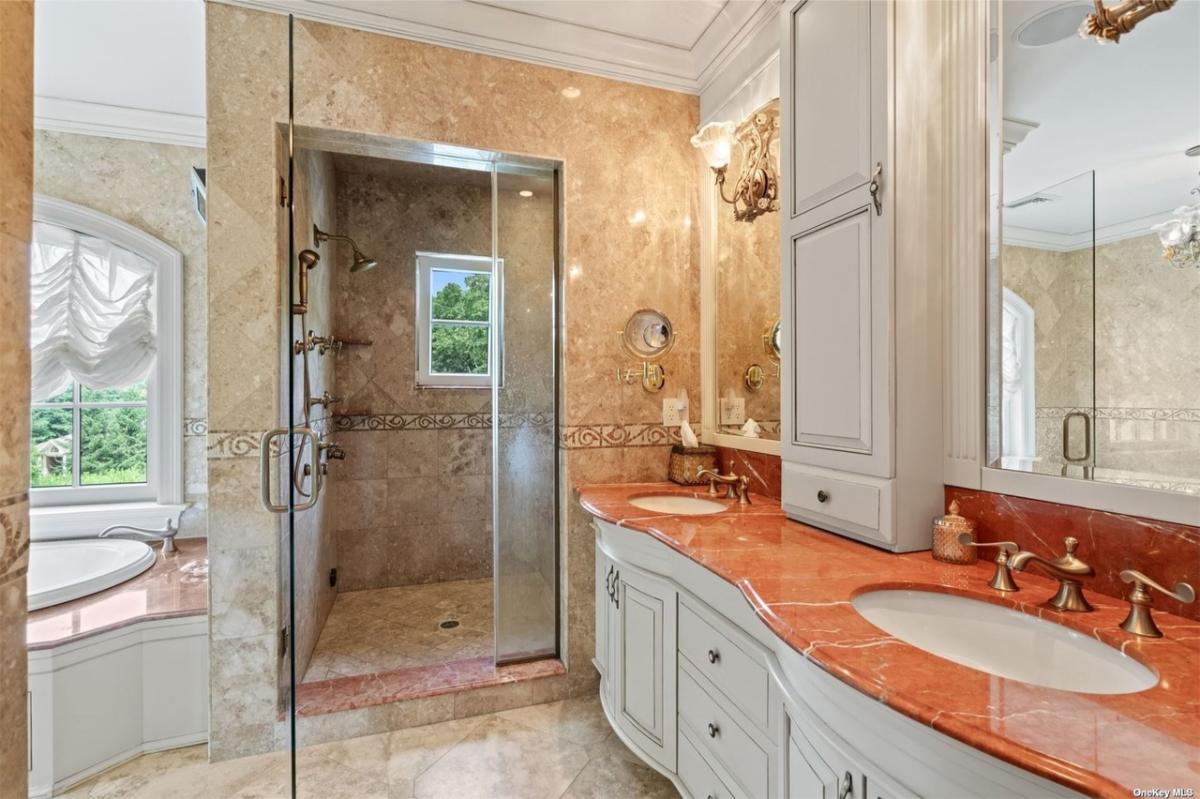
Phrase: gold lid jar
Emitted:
{"points": [[946, 530]]}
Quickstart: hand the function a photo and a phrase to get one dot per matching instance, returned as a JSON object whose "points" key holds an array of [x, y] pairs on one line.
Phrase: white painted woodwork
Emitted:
{"points": [[862, 285], [818, 729], [604, 568], [108, 698], [720, 653], [644, 658]]}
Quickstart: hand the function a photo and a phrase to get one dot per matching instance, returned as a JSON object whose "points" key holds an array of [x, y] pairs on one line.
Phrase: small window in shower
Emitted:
{"points": [[456, 319]]}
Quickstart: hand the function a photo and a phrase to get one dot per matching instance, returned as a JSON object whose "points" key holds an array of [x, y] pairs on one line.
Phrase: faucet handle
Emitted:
{"points": [[1139, 621], [1070, 563], [1002, 579]]}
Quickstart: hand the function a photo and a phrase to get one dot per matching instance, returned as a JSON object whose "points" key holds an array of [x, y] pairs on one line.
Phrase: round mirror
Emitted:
{"points": [[648, 334], [773, 342]]}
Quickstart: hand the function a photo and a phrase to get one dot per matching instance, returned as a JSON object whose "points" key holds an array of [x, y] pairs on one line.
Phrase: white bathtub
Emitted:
{"points": [[60, 571]]}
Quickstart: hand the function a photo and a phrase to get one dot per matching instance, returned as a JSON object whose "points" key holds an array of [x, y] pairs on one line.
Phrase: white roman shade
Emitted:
{"points": [[92, 312]]}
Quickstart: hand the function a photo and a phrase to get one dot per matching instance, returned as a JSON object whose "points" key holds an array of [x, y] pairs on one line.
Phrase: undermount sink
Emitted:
{"points": [[677, 505], [1004, 642]]}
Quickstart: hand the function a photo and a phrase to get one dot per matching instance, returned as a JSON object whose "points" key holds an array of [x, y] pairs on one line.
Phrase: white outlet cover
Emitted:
{"points": [[733, 411], [673, 414]]}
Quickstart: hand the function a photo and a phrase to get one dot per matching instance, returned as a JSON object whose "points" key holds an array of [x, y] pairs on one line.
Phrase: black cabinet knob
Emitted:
{"points": [[713, 729], [713, 656], [822, 496]]}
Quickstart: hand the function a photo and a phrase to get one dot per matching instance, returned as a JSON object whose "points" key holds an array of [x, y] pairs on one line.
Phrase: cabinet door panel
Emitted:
{"points": [[645, 643], [830, 49], [807, 774], [831, 334], [604, 570]]}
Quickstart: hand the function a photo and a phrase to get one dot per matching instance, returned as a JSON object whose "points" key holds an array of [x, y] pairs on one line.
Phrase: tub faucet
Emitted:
{"points": [[166, 533], [1065, 568]]}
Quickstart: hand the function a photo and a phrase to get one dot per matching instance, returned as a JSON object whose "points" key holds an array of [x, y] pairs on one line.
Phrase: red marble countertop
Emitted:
{"points": [[800, 581], [176, 585]]}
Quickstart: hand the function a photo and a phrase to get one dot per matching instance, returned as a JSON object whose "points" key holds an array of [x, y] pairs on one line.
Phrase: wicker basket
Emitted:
{"points": [[686, 461]]}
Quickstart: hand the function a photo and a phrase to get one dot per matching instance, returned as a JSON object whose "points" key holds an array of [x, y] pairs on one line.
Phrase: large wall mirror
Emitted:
{"points": [[742, 285], [1094, 279]]}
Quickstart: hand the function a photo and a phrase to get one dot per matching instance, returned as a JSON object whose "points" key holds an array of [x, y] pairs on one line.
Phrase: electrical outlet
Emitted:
{"points": [[733, 411], [673, 414]]}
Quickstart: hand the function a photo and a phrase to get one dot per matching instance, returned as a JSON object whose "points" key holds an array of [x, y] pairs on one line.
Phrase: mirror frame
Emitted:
{"points": [[1112, 497], [710, 433]]}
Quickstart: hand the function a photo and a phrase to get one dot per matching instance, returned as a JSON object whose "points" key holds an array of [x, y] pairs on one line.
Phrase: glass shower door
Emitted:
{"points": [[525, 419]]}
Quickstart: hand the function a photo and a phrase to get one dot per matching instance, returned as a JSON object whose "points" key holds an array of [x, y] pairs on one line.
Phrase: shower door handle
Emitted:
{"points": [[1085, 459], [264, 456]]}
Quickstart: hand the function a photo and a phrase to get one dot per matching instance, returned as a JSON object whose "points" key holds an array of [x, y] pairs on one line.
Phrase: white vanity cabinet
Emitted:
{"points": [[861, 291], [702, 690]]}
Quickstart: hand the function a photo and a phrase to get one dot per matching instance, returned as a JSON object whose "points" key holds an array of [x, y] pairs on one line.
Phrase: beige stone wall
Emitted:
{"points": [[148, 186], [16, 181], [629, 201], [747, 302], [1134, 360]]}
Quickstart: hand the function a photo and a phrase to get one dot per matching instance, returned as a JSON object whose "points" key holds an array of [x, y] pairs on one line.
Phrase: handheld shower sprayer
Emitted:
{"points": [[308, 260]]}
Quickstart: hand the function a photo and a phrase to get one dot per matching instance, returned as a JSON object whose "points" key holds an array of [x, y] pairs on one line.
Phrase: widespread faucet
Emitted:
{"points": [[166, 533], [1066, 569], [736, 487]]}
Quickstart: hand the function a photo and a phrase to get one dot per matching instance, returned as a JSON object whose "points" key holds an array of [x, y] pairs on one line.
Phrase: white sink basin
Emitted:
{"points": [[677, 505], [1004, 642]]}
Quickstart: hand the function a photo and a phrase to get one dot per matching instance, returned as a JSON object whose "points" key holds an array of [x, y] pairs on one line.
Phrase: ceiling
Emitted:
{"points": [[135, 69], [1127, 111]]}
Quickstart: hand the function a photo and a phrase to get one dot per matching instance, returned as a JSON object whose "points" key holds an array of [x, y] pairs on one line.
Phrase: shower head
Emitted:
{"points": [[361, 262]]}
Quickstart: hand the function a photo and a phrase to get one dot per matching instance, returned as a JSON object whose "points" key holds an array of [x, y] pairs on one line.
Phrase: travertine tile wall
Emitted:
{"points": [[747, 301], [413, 505], [148, 185], [630, 199], [1120, 337], [16, 186]]}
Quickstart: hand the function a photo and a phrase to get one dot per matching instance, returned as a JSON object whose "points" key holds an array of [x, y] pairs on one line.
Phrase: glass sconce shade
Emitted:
{"points": [[715, 142]]}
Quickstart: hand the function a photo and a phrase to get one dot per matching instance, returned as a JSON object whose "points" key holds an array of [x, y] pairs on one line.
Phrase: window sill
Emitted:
{"points": [[50, 523]]}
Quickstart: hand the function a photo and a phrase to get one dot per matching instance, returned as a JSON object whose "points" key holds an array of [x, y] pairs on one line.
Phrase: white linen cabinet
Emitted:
{"points": [[860, 240]]}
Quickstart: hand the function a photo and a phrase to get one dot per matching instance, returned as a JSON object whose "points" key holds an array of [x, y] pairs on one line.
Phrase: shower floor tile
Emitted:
{"points": [[392, 629]]}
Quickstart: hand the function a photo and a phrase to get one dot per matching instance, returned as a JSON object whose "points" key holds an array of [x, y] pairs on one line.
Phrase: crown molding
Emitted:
{"points": [[117, 122], [1069, 242], [505, 33]]}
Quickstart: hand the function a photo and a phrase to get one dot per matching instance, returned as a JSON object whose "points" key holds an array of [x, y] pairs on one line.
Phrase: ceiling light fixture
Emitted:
{"points": [[1180, 235], [757, 189], [525, 193], [1108, 24], [1053, 25]]}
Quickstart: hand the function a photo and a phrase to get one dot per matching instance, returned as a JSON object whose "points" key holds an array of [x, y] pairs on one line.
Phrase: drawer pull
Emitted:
{"points": [[713, 730], [822, 496], [713, 656], [847, 788]]}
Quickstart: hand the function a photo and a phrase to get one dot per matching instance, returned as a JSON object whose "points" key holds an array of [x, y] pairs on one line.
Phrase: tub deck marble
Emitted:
{"points": [[800, 581], [175, 586]]}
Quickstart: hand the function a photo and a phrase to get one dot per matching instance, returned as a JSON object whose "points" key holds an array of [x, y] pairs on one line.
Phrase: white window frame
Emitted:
{"points": [[427, 263], [83, 510]]}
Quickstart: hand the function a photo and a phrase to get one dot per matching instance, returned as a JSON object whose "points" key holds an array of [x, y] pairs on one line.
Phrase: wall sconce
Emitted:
{"points": [[648, 336], [757, 189], [1107, 24]]}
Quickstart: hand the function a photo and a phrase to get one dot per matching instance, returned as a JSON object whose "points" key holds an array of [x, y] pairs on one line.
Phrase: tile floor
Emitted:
{"points": [[387, 629], [563, 749]]}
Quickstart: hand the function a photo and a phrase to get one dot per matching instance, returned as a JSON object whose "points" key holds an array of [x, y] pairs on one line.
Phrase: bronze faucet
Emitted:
{"points": [[736, 487], [1065, 569], [1139, 621], [1001, 578]]}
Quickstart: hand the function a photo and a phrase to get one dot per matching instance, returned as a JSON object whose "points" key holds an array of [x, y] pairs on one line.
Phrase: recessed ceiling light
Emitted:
{"points": [[571, 92], [525, 193], [1053, 25]]}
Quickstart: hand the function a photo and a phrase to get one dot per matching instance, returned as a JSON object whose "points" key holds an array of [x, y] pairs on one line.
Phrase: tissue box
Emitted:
{"points": [[686, 461]]}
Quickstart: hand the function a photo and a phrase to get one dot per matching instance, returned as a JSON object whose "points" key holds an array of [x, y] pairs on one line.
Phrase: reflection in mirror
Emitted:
{"points": [[747, 300], [1094, 309]]}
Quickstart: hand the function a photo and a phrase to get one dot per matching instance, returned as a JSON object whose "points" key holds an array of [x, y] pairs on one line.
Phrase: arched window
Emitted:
{"points": [[106, 353], [1018, 446]]}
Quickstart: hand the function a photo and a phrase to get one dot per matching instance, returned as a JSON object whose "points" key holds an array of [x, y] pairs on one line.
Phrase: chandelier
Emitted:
{"points": [[1108, 23], [1180, 235]]}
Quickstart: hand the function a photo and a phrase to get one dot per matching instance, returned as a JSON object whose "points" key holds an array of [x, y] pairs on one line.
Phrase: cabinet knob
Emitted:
{"points": [[846, 791], [713, 656], [713, 729], [822, 496]]}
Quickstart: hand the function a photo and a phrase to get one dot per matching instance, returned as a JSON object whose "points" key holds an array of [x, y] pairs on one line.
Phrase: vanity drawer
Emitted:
{"points": [[717, 654], [860, 503], [696, 775], [723, 738]]}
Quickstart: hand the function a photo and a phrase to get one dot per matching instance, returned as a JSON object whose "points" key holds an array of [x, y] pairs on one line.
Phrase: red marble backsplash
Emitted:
{"points": [[1164, 551], [765, 471]]}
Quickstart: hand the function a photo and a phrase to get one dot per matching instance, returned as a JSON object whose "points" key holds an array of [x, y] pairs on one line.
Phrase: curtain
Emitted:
{"points": [[92, 312]]}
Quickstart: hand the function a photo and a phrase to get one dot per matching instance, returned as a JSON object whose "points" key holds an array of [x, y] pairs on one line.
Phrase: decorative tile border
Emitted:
{"points": [[14, 538], [439, 421], [195, 427], [1122, 413], [598, 436]]}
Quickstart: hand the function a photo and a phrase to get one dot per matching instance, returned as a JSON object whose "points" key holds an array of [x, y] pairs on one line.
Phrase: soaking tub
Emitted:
{"points": [[60, 571]]}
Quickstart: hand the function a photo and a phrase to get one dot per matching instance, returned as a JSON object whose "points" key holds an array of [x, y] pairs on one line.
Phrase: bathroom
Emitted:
{"points": [[744, 398]]}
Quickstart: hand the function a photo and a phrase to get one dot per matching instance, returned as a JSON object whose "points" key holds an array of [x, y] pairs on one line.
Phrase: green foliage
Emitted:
{"points": [[113, 445], [451, 302], [461, 349]]}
